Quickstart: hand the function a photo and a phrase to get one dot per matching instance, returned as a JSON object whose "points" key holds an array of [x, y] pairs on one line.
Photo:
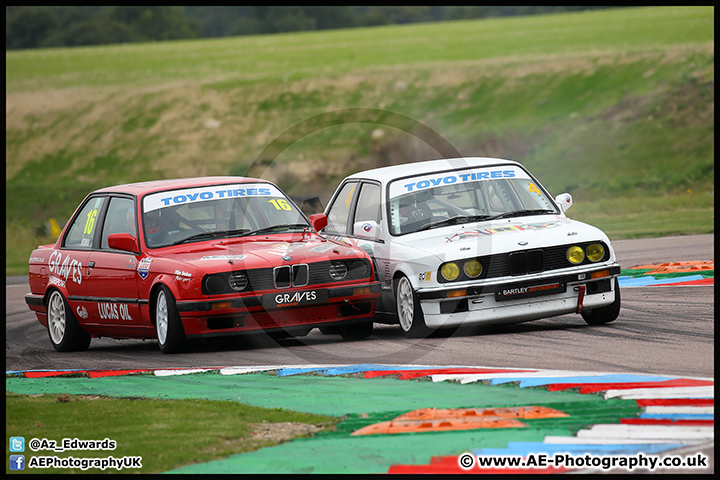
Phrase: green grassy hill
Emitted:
{"points": [[613, 106]]}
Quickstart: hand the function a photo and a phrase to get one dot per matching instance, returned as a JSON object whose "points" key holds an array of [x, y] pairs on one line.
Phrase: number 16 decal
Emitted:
{"points": [[280, 204]]}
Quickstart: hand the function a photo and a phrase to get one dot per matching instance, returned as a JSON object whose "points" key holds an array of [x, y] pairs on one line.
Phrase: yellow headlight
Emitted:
{"points": [[595, 252], [472, 268], [450, 271], [575, 254]]}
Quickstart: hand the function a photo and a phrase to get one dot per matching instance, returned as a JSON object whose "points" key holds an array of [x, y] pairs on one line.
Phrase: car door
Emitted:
{"points": [[355, 215], [112, 274], [68, 266]]}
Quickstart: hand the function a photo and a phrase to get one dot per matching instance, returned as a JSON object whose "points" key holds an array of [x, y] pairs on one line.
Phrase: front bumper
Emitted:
{"points": [[231, 316], [542, 297]]}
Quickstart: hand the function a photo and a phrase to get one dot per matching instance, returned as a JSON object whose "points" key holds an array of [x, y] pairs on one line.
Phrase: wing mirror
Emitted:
{"points": [[318, 221], [124, 242], [564, 201], [368, 229]]}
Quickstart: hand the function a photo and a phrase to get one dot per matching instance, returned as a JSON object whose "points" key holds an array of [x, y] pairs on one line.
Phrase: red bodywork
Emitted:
{"points": [[111, 292]]}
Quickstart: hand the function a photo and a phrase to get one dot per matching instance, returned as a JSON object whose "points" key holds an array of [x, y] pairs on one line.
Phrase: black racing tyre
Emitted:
{"points": [[358, 331], [408, 310], [170, 332], [602, 315], [66, 334]]}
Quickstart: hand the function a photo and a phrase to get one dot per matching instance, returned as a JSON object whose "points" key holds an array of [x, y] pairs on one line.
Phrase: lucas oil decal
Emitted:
{"points": [[173, 198], [114, 311]]}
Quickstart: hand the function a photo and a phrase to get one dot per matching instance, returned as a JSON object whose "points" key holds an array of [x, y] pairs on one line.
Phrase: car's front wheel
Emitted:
{"points": [[66, 334], [602, 315], [170, 332], [408, 309]]}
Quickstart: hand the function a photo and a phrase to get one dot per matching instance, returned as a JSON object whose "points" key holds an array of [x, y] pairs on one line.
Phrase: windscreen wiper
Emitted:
{"points": [[521, 213], [273, 228], [453, 221], [213, 234]]}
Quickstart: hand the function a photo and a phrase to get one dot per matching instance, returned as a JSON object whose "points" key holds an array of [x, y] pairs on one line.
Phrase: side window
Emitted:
{"points": [[81, 232], [368, 205], [338, 213], [120, 218]]}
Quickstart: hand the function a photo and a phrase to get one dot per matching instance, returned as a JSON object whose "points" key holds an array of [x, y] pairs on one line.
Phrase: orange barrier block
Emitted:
{"points": [[508, 412], [444, 419], [441, 425], [677, 267]]}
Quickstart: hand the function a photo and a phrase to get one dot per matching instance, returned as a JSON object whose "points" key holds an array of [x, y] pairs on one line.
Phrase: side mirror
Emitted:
{"points": [[564, 201], [124, 242], [368, 229], [318, 221]]}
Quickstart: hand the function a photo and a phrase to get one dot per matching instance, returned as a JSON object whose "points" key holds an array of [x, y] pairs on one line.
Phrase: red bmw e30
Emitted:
{"points": [[190, 258]]}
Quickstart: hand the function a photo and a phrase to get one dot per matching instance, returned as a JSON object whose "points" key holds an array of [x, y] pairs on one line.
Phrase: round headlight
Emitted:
{"points": [[575, 255], [238, 281], [450, 271], [338, 270], [472, 268], [358, 269], [214, 284], [595, 252]]}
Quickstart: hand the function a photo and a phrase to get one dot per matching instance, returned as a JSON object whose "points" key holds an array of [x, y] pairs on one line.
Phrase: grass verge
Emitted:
{"points": [[165, 433]]}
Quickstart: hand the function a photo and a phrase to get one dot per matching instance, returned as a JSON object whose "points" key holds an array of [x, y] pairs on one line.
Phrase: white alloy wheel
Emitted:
{"points": [[405, 300], [57, 317], [161, 317]]}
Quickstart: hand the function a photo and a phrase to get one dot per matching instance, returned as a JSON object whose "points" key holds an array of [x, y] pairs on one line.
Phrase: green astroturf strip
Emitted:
{"points": [[361, 402], [335, 396]]}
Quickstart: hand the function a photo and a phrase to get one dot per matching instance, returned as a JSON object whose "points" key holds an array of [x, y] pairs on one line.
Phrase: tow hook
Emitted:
{"points": [[581, 296]]}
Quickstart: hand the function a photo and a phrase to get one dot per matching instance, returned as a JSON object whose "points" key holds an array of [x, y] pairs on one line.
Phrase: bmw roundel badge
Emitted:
{"points": [[287, 258]]}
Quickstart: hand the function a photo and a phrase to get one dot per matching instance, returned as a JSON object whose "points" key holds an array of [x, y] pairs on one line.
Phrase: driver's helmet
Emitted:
{"points": [[153, 225]]}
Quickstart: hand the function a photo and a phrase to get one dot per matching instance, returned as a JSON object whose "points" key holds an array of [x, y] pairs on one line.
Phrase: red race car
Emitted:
{"points": [[201, 257]]}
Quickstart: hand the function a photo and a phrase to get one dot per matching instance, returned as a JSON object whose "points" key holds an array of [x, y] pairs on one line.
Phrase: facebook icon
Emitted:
{"points": [[17, 462]]}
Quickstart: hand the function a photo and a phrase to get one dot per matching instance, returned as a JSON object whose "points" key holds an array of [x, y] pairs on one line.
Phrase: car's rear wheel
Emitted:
{"points": [[408, 309], [170, 332], [66, 334], [358, 331], [602, 315]]}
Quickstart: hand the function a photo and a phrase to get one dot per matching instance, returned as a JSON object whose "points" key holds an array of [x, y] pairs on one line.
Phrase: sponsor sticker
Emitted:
{"points": [[323, 247], [514, 292], [423, 182], [144, 267], [114, 311], [67, 268], [294, 299], [223, 257], [173, 198]]}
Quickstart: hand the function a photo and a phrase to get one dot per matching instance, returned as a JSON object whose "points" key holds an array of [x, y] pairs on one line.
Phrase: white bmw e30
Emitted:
{"points": [[472, 241]]}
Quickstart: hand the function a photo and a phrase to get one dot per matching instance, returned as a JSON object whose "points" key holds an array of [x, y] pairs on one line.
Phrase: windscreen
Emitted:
{"points": [[435, 200], [200, 213]]}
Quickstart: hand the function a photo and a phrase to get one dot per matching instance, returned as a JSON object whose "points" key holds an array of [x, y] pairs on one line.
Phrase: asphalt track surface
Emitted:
{"points": [[661, 330]]}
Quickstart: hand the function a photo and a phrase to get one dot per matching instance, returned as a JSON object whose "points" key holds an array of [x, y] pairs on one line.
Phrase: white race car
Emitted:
{"points": [[472, 241]]}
